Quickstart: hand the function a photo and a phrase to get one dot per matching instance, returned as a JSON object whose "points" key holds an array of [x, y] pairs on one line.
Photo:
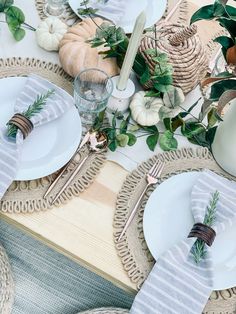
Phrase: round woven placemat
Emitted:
{"points": [[27, 196], [6, 284], [106, 310], [69, 17], [132, 249]]}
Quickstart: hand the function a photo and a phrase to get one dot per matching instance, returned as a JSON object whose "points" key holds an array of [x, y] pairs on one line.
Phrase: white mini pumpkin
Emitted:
{"points": [[145, 110], [50, 32]]}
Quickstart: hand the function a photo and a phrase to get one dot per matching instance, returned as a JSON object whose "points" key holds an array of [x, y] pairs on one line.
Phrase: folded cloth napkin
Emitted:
{"points": [[10, 150], [176, 284], [112, 10]]}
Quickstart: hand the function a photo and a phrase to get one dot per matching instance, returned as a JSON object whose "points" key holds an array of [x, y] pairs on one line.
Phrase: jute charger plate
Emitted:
{"points": [[27, 196], [132, 249]]}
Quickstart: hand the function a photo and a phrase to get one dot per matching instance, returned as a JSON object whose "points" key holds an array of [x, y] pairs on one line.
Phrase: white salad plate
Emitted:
{"points": [[168, 220], [48, 147], [154, 10]]}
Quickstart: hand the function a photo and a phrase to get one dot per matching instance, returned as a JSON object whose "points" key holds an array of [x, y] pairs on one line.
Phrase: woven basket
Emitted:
{"points": [[185, 51]]}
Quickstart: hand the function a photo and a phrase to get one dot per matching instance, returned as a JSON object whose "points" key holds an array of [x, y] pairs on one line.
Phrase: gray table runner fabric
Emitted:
{"points": [[46, 282], [176, 284]]}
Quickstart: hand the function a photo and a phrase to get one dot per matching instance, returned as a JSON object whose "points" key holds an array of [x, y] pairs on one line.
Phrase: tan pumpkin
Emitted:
{"points": [[76, 53]]}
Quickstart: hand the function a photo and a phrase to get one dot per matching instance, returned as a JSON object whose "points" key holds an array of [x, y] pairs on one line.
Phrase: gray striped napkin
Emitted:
{"points": [[112, 10], [176, 284], [10, 151]]}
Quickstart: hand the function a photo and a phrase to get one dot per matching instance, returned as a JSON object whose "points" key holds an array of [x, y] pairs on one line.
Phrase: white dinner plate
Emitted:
{"points": [[154, 10], [168, 220], [48, 147]]}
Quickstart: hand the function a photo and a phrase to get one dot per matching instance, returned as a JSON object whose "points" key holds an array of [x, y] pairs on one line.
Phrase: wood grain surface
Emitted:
{"points": [[82, 229]]}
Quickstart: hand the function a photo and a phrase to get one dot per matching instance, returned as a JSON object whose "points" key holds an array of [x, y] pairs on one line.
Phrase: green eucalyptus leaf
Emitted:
{"points": [[19, 34], [14, 16], [111, 133], [165, 80], [200, 139], [229, 25], [123, 126], [122, 139], [176, 122], [224, 74], [174, 97], [163, 88], [166, 112], [113, 145], [151, 129], [146, 76], [152, 93], [168, 141], [168, 124], [113, 123], [219, 88], [132, 139], [226, 43], [152, 141], [97, 43], [4, 4], [190, 129], [212, 118], [230, 12], [204, 13], [219, 8], [151, 52], [134, 128], [210, 134]]}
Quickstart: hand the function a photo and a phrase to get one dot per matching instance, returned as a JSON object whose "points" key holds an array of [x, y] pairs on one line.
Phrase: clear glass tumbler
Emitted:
{"points": [[54, 7], [92, 89]]}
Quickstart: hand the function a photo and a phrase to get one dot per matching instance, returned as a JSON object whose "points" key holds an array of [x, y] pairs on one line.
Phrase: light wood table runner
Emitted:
{"points": [[82, 229]]}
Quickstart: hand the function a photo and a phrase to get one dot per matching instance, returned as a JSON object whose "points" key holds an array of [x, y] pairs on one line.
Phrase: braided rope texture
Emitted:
{"points": [[27, 196]]}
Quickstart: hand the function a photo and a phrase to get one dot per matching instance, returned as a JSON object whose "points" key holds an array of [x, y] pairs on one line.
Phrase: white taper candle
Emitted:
{"points": [[131, 51]]}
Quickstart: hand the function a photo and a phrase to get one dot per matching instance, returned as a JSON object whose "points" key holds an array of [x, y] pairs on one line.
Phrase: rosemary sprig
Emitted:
{"points": [[198, 249], [36, 107]]}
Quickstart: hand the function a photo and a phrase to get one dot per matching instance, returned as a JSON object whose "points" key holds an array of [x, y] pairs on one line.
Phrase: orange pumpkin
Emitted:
{"points": [[76, 54]]}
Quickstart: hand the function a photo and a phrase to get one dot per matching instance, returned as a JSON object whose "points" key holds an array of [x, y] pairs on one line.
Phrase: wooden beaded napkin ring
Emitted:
{"points": [[23, 123], [203, 232]]}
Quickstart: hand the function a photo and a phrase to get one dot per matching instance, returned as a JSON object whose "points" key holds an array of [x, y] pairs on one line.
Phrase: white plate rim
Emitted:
{"points": [[223, 286], [127, 28], [25, 175]]}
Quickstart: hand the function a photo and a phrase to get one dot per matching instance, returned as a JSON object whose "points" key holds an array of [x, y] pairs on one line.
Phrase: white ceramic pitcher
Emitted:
{"points": [[224, 145]]}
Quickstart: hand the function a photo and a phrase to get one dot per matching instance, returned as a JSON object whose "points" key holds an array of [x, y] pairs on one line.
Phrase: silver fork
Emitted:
{"points": [[152, 176]]}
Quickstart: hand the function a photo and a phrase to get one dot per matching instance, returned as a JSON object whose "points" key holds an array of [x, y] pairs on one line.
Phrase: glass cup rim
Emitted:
{"points": [[98, 70]]}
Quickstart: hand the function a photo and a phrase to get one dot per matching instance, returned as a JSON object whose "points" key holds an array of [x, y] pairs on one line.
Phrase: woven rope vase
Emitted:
{"points": [[185, 51]]}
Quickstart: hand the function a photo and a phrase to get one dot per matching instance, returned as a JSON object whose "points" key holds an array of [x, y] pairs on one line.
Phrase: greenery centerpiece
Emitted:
{"points": [[175, 120]]}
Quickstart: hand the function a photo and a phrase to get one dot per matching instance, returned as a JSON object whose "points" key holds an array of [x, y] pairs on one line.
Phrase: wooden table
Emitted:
{"points": [[82, 229]]}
